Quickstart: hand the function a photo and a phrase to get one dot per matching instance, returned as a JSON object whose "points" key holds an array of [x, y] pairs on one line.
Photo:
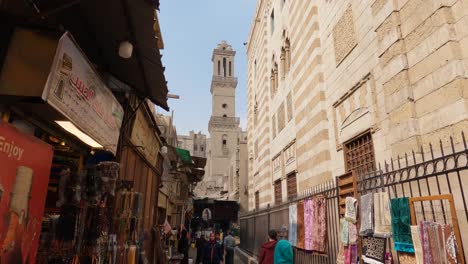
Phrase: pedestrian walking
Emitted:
{"points": [[183, 246], [200, 245], [229, 245], [283, 253], [213, 252], [268, 249]]}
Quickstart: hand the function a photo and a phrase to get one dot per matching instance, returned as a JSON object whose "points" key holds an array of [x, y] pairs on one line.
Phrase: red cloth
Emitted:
{"points": [[267, 253]]}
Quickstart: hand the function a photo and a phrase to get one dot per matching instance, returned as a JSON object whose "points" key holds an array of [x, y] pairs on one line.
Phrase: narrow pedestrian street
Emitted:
{"points": [[233, 132]]}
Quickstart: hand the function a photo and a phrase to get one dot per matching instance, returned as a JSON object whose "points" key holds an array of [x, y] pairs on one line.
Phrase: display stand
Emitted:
{"points": [[453, 217]]}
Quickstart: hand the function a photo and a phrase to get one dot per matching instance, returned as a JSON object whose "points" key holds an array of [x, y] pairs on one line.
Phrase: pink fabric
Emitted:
{"points": [[308, 224], [319, 218]]}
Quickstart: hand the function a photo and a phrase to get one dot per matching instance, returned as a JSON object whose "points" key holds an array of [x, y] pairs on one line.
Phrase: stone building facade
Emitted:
{"points": [[224, 144], [194, 142], [328, 77]]}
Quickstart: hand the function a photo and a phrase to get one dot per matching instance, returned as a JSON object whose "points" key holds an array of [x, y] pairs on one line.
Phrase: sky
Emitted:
{"points": [[191, 30]]}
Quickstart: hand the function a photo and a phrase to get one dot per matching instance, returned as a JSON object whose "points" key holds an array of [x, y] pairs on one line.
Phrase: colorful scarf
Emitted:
{"points": [[416, 237], [308, 224], [351, 255], [300, 225], [427, 256], [382, 218], [352, 234], [401, 222], [293, 224], [351, 209], [319, 239], [367, 215]]}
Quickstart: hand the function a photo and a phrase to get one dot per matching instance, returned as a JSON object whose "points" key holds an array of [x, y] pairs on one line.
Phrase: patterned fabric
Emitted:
{"points": [[292, 224], [344, 232], [434, 243], [401, 231], [351, 209], [406, 258], [319, 240], [374, 248], [382, 218], [450, 244], [308, 224], [300, 225], [367, 215], [416, 237], [351, 255], [352, 233], [427, 256], [340, 258]]}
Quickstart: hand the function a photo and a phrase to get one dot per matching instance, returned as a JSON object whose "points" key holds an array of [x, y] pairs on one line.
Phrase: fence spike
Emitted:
{"points": [[441, 148], [453, 145], [463, 137], [422, 152], [414, 157], [399, 164], [391, 160], [432, 150]]}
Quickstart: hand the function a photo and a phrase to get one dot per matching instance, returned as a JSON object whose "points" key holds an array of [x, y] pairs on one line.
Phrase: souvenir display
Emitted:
{"points": [[367, 215], [293, 224], [319, 224], [382, 216], [373, 249], [401, 221]]}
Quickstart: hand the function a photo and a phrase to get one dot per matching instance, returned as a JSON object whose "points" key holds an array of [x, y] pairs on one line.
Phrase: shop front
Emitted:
{"points": [[52, 96]]}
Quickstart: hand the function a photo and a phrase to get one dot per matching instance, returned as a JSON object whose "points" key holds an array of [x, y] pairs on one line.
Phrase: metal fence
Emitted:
{"points": [[423, 172]]}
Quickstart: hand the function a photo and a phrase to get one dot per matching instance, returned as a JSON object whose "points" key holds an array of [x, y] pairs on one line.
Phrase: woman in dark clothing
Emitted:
{"points": [[200, 245], [213, 252], [184, 246]]}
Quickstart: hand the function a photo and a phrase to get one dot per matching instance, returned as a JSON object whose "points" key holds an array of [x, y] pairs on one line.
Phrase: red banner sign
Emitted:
{"points": [[25, 164]]}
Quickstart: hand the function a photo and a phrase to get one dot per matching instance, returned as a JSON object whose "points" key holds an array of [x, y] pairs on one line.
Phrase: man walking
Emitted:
{"points": [[229, 245]]}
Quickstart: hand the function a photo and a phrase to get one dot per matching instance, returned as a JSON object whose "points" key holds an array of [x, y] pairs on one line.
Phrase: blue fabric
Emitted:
{"points": [[283, 253], [401, 222], [293, 224]]}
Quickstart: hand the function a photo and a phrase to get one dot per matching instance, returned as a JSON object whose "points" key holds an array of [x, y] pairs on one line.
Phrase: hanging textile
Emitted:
{"points": [[450, 244], [434, 242], [351, 209], [308, 224], [344, 232], [406, 258], [319, 239], [401, 230], [382, 218], [373, 249], [340, 258], [416, 237], [351, 255], [367, 215], [427, 256], [293, 224], [352, 234], [300, 225]]}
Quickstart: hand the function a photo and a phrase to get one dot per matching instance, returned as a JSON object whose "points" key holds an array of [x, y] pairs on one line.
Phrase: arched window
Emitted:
{"points": [[283, 63], [224, 140], [230, 71], [219, 67], [224, 115], [288, 55], [224, 106], [224, 67]]}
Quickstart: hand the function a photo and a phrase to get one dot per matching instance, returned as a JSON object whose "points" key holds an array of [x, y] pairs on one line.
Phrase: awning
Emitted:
{"points": [[184, 155], [99, 27]]}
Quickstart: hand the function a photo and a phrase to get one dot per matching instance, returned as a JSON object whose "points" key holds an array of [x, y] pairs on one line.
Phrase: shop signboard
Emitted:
{"points": [[24, 177], [143, 136], [76, 91]]}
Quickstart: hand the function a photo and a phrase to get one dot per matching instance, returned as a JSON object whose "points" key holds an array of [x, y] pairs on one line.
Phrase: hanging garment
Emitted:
{"points": [[373, 249], [351, 255], [300, 225], [450, 245], [293, 224], [401, 230], [434, 242], [367, 215], [340, 258], [319, 239], [352, 234], [416, 237], [351, 209], [344, 232], [308, 224], [382, 217], [424, 229]]}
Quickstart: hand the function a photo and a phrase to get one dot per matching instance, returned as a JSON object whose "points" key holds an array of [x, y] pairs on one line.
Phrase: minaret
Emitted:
{"points": [[224, 124]]}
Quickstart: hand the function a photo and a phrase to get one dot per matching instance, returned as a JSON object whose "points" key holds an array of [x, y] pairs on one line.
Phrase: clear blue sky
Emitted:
{"points": [[191, 30]]}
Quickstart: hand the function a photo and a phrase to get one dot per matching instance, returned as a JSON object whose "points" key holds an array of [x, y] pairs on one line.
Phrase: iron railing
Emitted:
{"points": [[424, 172]]}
